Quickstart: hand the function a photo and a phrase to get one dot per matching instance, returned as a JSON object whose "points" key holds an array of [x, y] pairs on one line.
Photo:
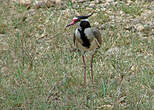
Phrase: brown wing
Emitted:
{"points": [[97, 35], [76, 40]]}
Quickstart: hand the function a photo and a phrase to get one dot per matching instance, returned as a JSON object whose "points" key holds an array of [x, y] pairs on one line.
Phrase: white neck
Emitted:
{"points": [[84, 20]]}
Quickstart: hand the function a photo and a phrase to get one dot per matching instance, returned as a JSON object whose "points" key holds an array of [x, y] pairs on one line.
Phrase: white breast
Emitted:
{"points": [[89, 33], [93, 46]]}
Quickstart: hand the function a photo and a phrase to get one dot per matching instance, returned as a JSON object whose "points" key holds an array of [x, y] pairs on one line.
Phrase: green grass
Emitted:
{"points": [[39, 71], [132, 9]]}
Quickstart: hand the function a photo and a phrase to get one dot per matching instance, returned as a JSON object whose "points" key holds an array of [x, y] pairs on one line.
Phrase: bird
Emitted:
{"points": [[86, 38]]}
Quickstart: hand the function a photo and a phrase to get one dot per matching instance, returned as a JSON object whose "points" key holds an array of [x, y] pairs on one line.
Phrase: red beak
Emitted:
{"points": [[70, 24]]}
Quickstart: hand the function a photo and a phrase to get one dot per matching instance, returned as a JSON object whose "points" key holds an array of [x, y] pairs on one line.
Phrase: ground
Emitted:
{"points": [[41, 70]]}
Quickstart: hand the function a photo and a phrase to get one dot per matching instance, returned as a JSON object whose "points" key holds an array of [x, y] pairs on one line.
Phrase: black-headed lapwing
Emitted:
{"points": [[86, 38]]}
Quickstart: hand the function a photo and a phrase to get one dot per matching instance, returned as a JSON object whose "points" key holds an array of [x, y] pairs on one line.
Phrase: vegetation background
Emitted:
{"points": [[39, 69]]}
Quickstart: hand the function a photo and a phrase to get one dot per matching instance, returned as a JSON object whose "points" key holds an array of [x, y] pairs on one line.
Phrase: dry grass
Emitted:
{"points": [[39, 71]]}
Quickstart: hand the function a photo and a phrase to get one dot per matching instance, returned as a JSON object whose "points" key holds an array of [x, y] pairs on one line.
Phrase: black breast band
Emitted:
{"points": [[86, 42]]}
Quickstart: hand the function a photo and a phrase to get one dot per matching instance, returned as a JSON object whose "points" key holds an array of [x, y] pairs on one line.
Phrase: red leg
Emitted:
{"points": [[91, 64], [84, 70]]}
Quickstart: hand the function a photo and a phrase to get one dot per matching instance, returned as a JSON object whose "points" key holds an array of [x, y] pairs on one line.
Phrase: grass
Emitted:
{"points": [[39, 71]]}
